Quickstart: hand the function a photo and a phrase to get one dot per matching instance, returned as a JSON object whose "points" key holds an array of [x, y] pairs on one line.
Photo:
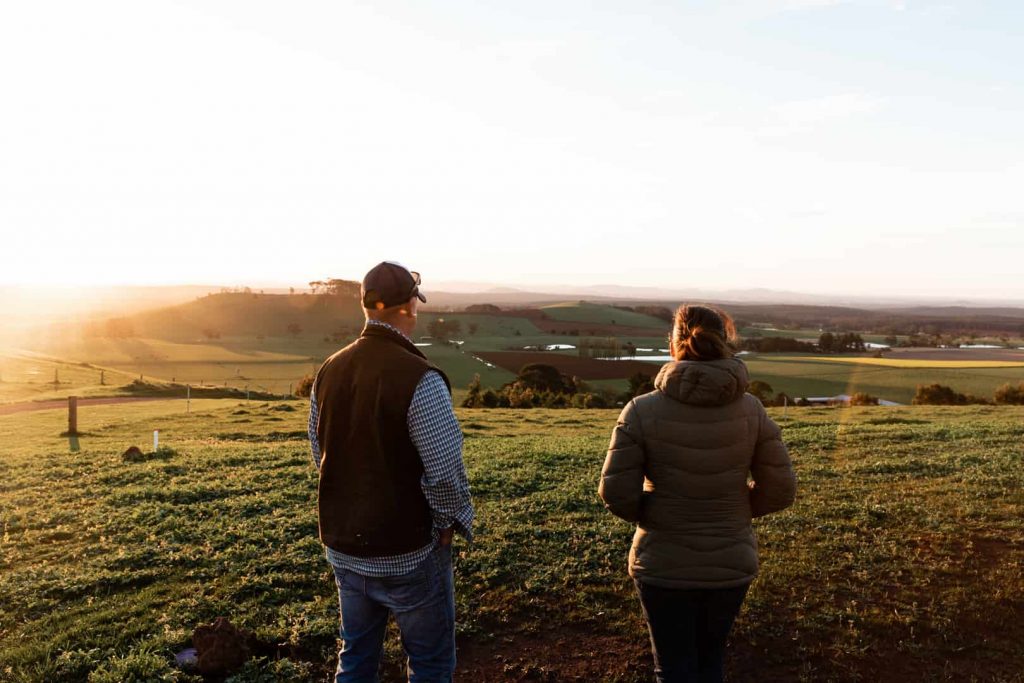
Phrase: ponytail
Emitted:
{"points": [[701, 333]]}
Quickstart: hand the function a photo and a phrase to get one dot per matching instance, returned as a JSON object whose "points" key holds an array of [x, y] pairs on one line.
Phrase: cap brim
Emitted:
{"points": [[419, 295]]}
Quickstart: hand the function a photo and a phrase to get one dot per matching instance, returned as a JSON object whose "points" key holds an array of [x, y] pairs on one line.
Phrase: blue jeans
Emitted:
{"points": [[689, 629], [423, 602]]}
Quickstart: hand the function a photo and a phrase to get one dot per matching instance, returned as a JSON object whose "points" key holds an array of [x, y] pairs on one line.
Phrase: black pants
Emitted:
{"points": [[689, 629]]}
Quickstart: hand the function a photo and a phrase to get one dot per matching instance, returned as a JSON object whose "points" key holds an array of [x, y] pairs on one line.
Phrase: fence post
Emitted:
{"points": [[72, 415]]}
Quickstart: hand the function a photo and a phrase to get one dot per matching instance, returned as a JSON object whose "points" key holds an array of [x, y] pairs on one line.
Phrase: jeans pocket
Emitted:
{"points": [[410, 589]]}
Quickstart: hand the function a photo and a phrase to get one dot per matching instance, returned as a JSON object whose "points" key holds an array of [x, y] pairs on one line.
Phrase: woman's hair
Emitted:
{"points": [[701, 333]]}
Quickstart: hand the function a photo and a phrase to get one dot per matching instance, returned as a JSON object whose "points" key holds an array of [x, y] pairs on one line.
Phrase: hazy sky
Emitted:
{"points": [[825, 146]]}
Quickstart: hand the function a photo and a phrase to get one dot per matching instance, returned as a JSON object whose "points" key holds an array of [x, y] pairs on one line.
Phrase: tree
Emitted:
{"points": [[473, 327], [442, 329], [335, 287], [541, 377], [776, 345], [639, 384], [761, 390], [483, 308], [826, 342], [474, 397], [305, 386]]}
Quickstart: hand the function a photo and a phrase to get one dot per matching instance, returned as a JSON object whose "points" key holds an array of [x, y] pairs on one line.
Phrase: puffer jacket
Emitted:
{"points": [[678, 466]]}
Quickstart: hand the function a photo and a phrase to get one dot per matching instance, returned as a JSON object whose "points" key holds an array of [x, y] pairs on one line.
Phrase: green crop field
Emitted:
{"points": [[903, 558]]}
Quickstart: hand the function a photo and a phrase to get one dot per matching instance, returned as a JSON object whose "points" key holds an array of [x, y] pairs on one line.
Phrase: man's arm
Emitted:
{"points": [[314, 417], [436, 434]]}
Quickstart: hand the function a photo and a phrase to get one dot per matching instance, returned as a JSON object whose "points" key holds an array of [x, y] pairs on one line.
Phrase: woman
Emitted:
{"points": [[678, 466]]}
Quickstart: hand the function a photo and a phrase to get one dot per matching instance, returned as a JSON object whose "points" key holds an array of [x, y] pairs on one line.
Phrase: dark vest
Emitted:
{"points": [[370, 500]]}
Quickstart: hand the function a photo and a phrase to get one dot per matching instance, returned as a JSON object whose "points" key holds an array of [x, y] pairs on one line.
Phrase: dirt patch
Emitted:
{"points": [[562, 655], [584, 368]]}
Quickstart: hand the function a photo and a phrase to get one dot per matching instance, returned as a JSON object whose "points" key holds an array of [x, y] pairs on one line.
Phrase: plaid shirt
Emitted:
{"points": [[436, 434]]}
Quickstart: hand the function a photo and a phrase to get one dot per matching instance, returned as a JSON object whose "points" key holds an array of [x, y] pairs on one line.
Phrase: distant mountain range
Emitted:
{"points": [[22, 308], [461, 293]]}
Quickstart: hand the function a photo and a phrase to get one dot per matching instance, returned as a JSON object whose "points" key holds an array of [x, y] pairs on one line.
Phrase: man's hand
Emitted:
{"points": [[446, 536]]}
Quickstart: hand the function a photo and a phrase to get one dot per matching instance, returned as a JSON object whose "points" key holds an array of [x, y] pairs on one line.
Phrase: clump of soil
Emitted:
{"points": [[135, 454], [222, 647]]}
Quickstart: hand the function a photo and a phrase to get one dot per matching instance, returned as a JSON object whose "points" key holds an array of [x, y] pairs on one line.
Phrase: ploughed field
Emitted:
{"points": [[903, 558]]}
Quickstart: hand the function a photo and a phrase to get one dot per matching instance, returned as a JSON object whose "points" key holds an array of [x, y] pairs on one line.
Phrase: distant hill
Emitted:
{"points": [[238, 314]]}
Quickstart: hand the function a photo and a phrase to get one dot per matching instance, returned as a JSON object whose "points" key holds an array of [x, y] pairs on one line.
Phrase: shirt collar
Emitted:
{"points": [[386, 326]]}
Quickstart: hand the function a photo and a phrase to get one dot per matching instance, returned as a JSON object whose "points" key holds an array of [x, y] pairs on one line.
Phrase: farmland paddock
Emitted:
{"points": [[901, 560]]}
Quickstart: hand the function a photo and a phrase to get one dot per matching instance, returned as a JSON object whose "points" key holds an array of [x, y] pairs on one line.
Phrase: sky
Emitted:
{"points": [[827, 146]]}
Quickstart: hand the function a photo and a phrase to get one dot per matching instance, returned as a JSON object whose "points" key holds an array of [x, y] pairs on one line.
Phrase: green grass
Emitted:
{"points": [[461, 366], [486, 325], [902, 558], [798, 376], [582, 312], [26, 376]]}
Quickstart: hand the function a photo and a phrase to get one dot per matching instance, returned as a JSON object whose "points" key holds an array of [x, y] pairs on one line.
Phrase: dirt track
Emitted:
{"points": [[30, 406]]}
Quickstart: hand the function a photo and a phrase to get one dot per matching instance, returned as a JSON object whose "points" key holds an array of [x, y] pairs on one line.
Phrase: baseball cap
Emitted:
{"points": [[389, 284]]}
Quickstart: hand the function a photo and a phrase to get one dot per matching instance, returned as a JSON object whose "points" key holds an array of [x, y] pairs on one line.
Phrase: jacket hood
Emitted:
{"points": [[703, 383]]}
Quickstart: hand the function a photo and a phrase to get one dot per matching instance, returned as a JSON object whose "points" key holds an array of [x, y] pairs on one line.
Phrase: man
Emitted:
{"points": [[393, 486]]}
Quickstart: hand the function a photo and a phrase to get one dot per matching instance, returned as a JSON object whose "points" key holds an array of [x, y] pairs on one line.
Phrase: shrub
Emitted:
{"points": [[941, 395], [589, 401], [862, 399], [305, 386], [474, 397], [521, 397], [639, 384], [761, 390], [1010, 395], [489, 399]]}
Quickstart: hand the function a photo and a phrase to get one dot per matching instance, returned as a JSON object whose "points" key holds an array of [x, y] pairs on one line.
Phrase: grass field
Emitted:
{"points": [[806, 376], [903, 558], [582, 312], [910, 362], [275, 364], [26, 376]]}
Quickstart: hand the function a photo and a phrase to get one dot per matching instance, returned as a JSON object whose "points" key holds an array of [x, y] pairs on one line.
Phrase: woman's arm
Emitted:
{"points": [[774, 485], [622, 477]]}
